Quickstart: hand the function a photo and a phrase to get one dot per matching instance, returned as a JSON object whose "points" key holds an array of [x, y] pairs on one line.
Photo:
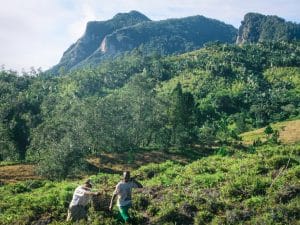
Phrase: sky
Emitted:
{"points": [[35, 33]]}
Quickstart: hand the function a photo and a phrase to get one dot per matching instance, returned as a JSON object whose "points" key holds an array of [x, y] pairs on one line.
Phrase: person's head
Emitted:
{"points": [[88, 184], [126, 176]]}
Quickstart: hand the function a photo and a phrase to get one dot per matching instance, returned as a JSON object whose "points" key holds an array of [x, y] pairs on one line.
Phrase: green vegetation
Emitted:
{"points": [[247, 187], [258, 28], [201, 101], [205, 97]]}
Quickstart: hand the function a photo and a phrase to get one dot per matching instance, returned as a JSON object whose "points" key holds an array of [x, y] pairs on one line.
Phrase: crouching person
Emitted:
{"points": [[123, 191], [79, 205]]}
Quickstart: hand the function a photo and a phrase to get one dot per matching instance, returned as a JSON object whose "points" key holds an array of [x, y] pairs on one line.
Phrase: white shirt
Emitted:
{"points": [[80, 197], [123, 190]]}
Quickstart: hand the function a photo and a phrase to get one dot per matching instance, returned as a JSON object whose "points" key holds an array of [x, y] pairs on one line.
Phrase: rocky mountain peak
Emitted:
{"points": [[257, 28]]}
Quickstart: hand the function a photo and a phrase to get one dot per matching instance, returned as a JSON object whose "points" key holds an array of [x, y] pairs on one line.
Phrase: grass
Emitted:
{"points": [[119, 162], [289, 132], [17, 172], [250, 185], [255, 187], [112, 163]]}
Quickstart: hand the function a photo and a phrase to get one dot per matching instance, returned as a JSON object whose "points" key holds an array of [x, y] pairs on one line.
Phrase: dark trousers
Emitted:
{"points": [[77, 212]]}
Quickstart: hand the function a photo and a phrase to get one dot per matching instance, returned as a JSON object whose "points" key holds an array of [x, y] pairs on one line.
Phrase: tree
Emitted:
{"points": [[124, 119], [6, 144], [182, 117]]}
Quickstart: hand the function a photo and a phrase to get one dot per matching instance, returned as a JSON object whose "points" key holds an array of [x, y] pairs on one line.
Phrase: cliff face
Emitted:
{"points": [[257, 28], [170, 36], [127, 31], [93, 37]]}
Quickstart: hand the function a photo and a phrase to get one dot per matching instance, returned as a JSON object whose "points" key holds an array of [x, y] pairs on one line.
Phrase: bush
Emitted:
{"points": [[151, 170], [224, 151], [254, 202], [203, 217], [246, 186], [237, 215], [279, 161], [141, 202], [176, 217], [287, 193], [19, 188], [33, 184]]}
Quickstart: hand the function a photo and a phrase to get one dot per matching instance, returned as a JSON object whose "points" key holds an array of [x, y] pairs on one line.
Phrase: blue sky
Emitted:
{"points": [[35, 33]]}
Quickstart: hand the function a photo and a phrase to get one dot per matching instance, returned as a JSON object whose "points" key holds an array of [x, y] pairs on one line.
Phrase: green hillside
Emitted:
{"points": [[201, 98], [257, 185], [192, 111]]}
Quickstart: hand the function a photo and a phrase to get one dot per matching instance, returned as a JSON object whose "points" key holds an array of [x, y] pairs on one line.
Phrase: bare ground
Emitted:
{"points": [[15, 173]]}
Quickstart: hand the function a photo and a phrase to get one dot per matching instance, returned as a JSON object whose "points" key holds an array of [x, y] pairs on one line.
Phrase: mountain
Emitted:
{"points": [[94, 34], [164, 37], [257, 28], [127, 31]]}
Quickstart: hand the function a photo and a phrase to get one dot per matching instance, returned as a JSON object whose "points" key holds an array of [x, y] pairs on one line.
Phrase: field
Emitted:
{"points": [[289, 132]]}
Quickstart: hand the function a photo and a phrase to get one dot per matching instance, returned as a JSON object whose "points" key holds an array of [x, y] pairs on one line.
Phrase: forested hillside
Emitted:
{"points": [[206, 97]]}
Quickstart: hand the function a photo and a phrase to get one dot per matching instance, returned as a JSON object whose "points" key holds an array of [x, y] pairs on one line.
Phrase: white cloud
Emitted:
{"points": [[37, 32]]}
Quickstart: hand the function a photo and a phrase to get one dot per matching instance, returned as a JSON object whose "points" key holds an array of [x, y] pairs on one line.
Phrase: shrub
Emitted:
{"points": [[279, 161], [152, 210], [151, 170], [141, 202], [208, 180], [176, 217], [19, 188], [33, 184], [254, 202], [246, 186], [237, 215], [287, 193], [224, 151], [257, 142], [188, 209], [203, 217]]}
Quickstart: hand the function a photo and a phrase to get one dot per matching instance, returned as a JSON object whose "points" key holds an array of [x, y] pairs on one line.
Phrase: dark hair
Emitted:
{"points": [[88, 183], [126, 175]]}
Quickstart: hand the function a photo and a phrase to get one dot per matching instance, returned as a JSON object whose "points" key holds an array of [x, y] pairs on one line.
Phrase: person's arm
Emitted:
{"points": [[115, 193], [112, 201], [137, 184], [92, 193], [89, 192]]}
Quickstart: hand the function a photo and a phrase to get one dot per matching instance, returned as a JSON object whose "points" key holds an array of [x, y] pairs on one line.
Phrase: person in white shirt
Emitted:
{"points": [[123, 191], [78, 207]]}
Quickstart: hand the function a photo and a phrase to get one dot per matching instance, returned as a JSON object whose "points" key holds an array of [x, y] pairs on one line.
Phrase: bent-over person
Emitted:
{"points": [[78, 207], [123, 191]]}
